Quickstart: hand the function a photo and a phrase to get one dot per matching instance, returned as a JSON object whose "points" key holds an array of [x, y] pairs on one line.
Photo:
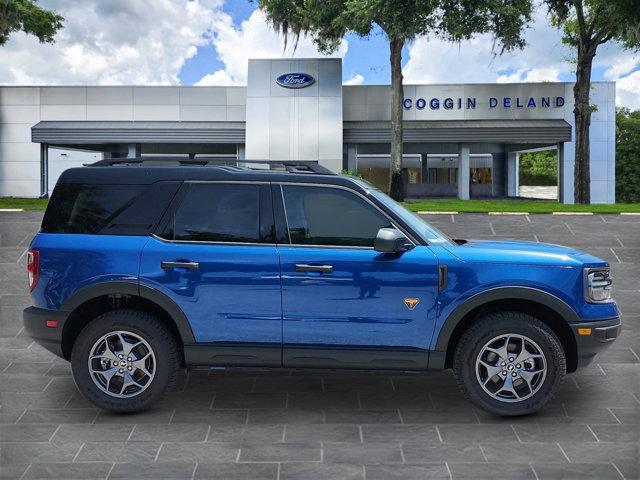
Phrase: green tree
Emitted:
{"points": [[28, 17], [587, 24], [327, 22], [627, 156], [539, 168]]}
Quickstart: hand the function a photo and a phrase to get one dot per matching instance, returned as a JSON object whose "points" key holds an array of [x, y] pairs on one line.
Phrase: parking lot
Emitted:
{"points": [[269, 424]]}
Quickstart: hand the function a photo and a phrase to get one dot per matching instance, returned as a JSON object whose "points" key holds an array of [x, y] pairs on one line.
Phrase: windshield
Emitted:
{"points": [[426, 231]]}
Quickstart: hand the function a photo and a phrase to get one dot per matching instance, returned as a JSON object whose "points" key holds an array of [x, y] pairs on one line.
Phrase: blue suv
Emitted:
{"points": [[144, 266]]}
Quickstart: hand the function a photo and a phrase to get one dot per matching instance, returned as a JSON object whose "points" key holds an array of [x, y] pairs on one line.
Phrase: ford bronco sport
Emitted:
{"points": [[142, 267]]}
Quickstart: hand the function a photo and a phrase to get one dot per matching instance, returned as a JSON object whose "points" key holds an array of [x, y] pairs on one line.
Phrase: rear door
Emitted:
{"points": [[214, 254]]}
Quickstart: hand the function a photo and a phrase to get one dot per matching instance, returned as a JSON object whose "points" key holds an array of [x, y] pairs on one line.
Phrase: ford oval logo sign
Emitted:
{"points": [[295, 80]]}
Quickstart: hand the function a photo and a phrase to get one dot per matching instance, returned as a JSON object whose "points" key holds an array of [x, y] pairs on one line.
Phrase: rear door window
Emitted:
{"points": [[218, 212]]}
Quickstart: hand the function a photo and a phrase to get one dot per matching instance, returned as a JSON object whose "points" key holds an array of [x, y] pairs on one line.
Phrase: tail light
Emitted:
{"points": [[33, 268]]}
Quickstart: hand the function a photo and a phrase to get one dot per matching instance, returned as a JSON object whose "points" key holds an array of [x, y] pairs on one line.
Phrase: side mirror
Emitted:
{"points": [[391, 240]]}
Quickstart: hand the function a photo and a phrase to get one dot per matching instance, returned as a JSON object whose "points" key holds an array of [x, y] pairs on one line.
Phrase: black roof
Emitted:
{"points": [[123, 171]]}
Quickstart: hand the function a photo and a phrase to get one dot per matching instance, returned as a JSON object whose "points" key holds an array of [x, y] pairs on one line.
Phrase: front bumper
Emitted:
{"points": [[602, 334], [35, 324]]}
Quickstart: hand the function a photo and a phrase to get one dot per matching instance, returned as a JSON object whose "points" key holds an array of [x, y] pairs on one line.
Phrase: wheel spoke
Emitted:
{"points": [[141, 365], [492, 370], [107, 354], [526, 355], [507, 386], [127, 346], [128, 381], [501, 352], [528, 375]]}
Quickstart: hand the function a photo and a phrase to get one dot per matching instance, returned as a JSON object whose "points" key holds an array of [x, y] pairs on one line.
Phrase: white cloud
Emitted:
{"points": [[219, 77], [531, 75], [545, 58], [253, 39], [628, 91], [114, 42], [436, 61], [357, 79], [622, 65]]}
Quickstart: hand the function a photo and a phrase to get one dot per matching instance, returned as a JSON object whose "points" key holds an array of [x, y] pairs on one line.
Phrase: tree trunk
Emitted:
{"points": [[396, 185], [582, 115]]}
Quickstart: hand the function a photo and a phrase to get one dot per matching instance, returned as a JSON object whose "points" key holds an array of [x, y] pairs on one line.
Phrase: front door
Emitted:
{"points": [[344, 304], [216, 258]]}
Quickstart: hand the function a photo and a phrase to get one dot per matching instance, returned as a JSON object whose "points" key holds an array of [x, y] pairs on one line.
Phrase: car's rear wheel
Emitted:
{"points": [[509, 363], [125, 360]]}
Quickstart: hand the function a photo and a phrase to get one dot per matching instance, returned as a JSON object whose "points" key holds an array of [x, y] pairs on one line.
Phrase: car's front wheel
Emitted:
{"points": [[125, 360], [509, 363]]}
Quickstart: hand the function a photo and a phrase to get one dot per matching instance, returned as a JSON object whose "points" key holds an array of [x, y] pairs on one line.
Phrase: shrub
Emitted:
{"points": [[627, 156], [539, 168]]}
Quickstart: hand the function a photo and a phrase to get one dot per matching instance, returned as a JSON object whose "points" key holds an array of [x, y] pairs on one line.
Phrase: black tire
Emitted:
{"points": [[150, 329], [489, 327]]}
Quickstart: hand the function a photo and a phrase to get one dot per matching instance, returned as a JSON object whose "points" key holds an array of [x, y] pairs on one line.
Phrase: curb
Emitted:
{"points": [[428, 212], [436, 213], [11, 209], [571, 213]]}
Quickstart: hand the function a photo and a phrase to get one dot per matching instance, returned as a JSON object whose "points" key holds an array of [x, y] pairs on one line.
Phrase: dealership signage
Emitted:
{"points": [[295, 80], [469, 103]]}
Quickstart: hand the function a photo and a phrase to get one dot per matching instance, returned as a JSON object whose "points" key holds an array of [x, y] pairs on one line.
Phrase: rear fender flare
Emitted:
{"points": [[133, 289]]}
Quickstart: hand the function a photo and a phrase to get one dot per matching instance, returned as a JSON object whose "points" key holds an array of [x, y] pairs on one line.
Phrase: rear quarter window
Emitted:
{"points": [[107, 209]]}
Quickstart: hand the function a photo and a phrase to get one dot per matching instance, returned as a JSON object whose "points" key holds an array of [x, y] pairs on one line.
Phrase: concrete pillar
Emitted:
{"points": [[561, 174], [133, 150], [240, 151], [352, 152], [513, 167], [463, 171]]}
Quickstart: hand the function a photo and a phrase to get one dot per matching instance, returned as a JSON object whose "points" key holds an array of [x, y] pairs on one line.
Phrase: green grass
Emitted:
{"points": [[431, 205], [530, 206], [24, 203]]}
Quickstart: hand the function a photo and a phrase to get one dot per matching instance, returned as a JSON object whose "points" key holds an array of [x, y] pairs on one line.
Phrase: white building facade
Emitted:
{"points": [[459, 140]]}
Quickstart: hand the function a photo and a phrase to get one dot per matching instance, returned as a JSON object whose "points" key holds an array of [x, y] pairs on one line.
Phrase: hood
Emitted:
{"points": [[522, 252]]}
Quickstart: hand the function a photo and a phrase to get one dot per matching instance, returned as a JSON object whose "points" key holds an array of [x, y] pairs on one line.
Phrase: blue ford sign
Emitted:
{"points": [[295, 80]]}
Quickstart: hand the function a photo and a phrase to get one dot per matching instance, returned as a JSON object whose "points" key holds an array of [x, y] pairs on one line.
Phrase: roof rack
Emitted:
{"points": [[290, 166]]}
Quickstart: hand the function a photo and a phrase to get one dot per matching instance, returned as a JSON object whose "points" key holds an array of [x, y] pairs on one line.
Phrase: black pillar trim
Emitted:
{"points": [[44, 170]]}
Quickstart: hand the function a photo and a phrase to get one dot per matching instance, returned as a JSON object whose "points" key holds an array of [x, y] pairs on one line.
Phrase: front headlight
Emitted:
{"points": [[597, 285]]}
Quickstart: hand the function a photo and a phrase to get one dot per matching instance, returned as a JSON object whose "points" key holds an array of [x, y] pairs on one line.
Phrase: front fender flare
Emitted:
{"points": [[502, 293]]}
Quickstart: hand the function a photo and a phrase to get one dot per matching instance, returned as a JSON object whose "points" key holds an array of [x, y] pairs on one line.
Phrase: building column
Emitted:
{"points": [[133, 150], [561, 173], [352, 153], [513, 167], [463, 171], [44, 170]]}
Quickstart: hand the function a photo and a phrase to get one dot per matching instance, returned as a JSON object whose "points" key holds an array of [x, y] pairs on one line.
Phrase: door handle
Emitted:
{"points": [[186, 265], [303, 267]]}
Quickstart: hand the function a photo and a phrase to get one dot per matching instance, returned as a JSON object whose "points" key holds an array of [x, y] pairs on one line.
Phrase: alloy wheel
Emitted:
{"points": [[511, 368], [122, 364]]}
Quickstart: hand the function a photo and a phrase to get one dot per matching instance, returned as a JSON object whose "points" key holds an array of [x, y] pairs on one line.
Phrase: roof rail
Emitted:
{"points": [[291, 166]]}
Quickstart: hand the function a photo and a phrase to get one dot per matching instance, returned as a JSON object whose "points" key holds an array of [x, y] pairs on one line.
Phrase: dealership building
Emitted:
{"points": [[460, 140]]}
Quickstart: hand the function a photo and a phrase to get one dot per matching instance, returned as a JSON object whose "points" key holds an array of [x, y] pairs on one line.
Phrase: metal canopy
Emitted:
{"points": [[137, 132], [436, 131], [453, 131]]}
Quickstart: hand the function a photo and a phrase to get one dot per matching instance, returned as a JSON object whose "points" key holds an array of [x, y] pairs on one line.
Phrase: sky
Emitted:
{"points": [[208, 42]]}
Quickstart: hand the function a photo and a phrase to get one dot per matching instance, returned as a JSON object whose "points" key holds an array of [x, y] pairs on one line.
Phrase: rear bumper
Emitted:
{"points": [[35, 324], [603, 334]]}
